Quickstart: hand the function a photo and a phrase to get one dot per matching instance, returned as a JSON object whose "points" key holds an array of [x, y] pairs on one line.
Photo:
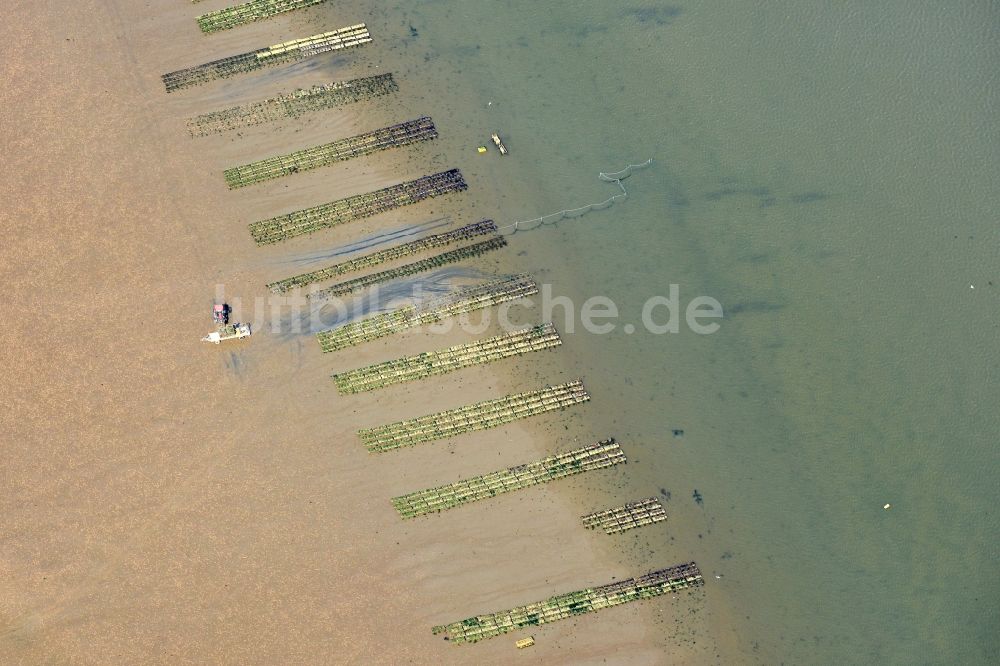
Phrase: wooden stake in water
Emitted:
{"points": [[477, 416], [632, 515], [412, 131], [447, 360], [433, 500], [248, 12], [291, 51], [469, 299], [293, 104], [356, 207], [657, 583]]}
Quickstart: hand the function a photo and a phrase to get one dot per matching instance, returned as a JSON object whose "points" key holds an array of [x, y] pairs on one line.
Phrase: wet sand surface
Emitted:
{"points": [[170, 501]]}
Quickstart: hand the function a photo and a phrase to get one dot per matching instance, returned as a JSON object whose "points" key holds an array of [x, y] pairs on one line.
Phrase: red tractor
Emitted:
{"points": [[223, 329], [220, 314]]}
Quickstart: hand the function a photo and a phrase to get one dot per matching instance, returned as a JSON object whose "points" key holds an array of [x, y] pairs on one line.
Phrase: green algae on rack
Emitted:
{"points": [[634, 514], [477, 416], [438, 260], [293, 104], [388, 254], [248, 12], [447, 360], [654, 584], [291, 51], [402, 134], [355, 207], [469, 299], [605, 453]]}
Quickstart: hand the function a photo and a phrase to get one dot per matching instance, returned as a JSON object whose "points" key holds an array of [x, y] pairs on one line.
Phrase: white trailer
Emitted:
{"points": [[228, 332]]}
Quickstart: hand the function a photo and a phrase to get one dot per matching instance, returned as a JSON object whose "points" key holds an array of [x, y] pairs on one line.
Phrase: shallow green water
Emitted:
{"points": [[824, 170]]}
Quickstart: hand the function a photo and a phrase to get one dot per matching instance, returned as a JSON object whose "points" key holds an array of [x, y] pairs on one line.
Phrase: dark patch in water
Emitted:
{"points": [[761, 193], [465, 51], [581, 32], [810, 197], [588, 30], [677, 198], [659, 15], [716, 195], [752, 307]]}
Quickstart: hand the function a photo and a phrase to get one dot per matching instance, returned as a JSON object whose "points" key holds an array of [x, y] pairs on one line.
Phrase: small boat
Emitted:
{"points": [[499, 143]]}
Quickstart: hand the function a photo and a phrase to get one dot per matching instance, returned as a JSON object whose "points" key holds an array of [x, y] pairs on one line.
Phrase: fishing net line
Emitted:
{"points": [[572, 213]]}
